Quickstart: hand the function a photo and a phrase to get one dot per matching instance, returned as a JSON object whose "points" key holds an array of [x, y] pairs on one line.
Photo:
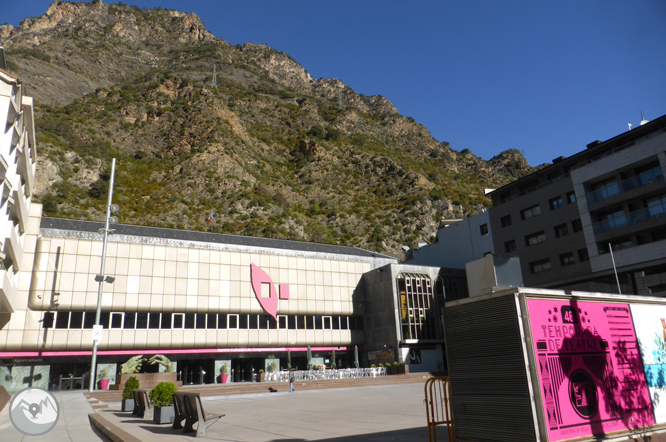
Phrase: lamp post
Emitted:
{"points": [[101, 279]]}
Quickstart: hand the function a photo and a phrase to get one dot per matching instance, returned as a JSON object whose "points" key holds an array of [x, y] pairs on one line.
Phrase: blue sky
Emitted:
{"points": [[542, 77]]}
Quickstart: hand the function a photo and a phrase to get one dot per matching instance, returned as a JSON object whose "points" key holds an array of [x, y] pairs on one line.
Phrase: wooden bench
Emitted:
{"points": [[194, 413], [142, 406]]}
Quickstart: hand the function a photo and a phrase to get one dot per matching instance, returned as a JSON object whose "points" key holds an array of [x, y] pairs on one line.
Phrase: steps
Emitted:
{"points": [[243, 388], [95, 403]]}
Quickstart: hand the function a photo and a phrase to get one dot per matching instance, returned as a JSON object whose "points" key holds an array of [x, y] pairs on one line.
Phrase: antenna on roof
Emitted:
{"points": [[643, 120], [214, 84]]}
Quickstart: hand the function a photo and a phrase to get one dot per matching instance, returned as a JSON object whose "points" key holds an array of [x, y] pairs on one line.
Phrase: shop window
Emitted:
{"points": [[178, 320], [327, 322], [535, 238], [222, 321], [510, 246], [540, 266], [166, 321], [48, 320], [141, 320], [571, 197], [505, 220], [282, 322], [561, 230], [567, 259], [76, 320], [556, 203], [154, 320], [189, 320], [211, 320], [484, 229], [62, 320], [233, 321], [130, 321], [530, 212], [116, 320]]}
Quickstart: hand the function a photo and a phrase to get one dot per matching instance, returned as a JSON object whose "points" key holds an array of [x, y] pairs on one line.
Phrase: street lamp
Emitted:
{"points": [[101, 278]]}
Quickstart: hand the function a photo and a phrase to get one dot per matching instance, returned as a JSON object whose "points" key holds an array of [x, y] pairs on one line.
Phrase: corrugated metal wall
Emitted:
{"points": [[489, 388]]}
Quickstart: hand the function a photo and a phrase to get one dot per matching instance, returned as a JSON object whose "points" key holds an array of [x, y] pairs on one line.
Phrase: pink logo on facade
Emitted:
{"points": [[270, 303]]}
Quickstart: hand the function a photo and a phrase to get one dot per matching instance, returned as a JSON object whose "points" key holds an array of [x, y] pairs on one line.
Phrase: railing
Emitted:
{"points": [[438, 408], [313, 375], [614, 151], [648, 177], [630, 218]]}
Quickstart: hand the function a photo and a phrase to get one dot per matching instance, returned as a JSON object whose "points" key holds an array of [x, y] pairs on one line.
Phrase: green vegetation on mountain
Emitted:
{"points": [[272, 151]]}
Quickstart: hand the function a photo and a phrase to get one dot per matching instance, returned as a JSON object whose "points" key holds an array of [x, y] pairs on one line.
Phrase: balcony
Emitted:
{"points": [[630, 218], [13, 246], [19, 209], [610, 190]]}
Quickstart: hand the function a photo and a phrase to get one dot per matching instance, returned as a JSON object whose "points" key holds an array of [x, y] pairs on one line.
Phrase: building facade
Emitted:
{"points": [[564, 220]]}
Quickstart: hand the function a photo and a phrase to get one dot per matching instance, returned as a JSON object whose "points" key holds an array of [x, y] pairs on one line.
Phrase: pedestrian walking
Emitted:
{"points": [[291, 383]]}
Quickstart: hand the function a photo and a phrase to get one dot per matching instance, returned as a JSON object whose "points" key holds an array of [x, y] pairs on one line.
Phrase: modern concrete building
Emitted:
{"points": [[459, 241], [564, 220]]}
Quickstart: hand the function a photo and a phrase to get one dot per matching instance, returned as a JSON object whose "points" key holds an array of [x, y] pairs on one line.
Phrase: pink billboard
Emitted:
{"points": [[589, 367]]}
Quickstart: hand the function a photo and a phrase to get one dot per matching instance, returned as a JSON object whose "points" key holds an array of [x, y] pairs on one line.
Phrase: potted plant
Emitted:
{"points": [[103, 381], [162, 398], [224, 374], [128, 393], [262, 376], [373, 366], [394, 368], [403, 368]]}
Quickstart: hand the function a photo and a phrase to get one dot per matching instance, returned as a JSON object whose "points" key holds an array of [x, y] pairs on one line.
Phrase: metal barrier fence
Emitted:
{"points": [[438, 407], [312, 375]]}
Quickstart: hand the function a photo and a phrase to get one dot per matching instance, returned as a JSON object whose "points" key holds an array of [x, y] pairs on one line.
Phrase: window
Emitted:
{"points": [[263, 322], [282, 322], [615, 220], [531, 212], [571, 197], [561, 230], [76, 320], [142, 320], [419, 315], [166, 321], [201, 320], [242, 322], [318, 322], [222, 321], [254, 323], [484, 229], [556, 203], [178, 320], [608, 189], [62, 320], [189, 320], [117, 320], [336, 322], [505, 220], [48, 320], [211, 322], [656, 205], [535, 238], [309, 323], [291, 322], [154, 320], [233, 321], [510, 246], [130, 319], [567, 259], [583, 255], [540, 266], [576, 225], [327, 322], [88, 320]]}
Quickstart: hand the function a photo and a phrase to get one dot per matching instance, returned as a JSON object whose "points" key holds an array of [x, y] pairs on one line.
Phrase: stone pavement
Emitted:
{"points": [[72, 425], [393, 412]]}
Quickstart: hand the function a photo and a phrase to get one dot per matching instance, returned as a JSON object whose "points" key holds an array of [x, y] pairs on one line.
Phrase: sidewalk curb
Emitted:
{"points": [[112, 431]]}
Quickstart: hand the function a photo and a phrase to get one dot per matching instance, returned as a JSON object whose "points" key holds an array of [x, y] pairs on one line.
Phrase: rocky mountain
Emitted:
{"points": [[270, 150]]}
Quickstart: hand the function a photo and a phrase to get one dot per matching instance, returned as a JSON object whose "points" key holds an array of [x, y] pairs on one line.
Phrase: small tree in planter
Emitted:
{"points": [[103, 379], [128, 393], [262, 376], [224, 374], [403, 368], [394, 368], [162, 399]]}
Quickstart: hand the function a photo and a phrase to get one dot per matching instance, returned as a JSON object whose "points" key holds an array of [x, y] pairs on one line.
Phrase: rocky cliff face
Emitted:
{"points": [[272, 151]]}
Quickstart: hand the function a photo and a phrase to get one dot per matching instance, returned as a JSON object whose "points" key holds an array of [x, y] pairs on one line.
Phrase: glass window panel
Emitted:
{"points": [[62, 320], [141, 320], [178, 320], [117, 320], [222, 321], [48, 320], [76, 320], [166, 321], [201, 320], [154, 320], [130, 320], [189, 320], [211, 322]]}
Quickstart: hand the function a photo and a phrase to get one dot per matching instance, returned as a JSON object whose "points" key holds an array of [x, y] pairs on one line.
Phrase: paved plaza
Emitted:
{"points": [[377, 413]]}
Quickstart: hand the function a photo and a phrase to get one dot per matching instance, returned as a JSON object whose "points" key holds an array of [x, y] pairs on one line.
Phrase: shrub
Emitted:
{"points": [[261, 371], [395, 364], [224, 369], [131, 385], [381, 365], [162, 394], [403, 363]]}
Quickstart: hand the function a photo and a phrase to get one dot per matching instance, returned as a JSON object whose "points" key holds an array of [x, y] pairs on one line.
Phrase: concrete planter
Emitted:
{"points": [[128, 405], [403, 369], [164, 415], [262, 377]]}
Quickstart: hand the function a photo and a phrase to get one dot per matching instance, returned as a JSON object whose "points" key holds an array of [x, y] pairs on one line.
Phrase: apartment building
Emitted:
{"points": [[564, 221]]}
